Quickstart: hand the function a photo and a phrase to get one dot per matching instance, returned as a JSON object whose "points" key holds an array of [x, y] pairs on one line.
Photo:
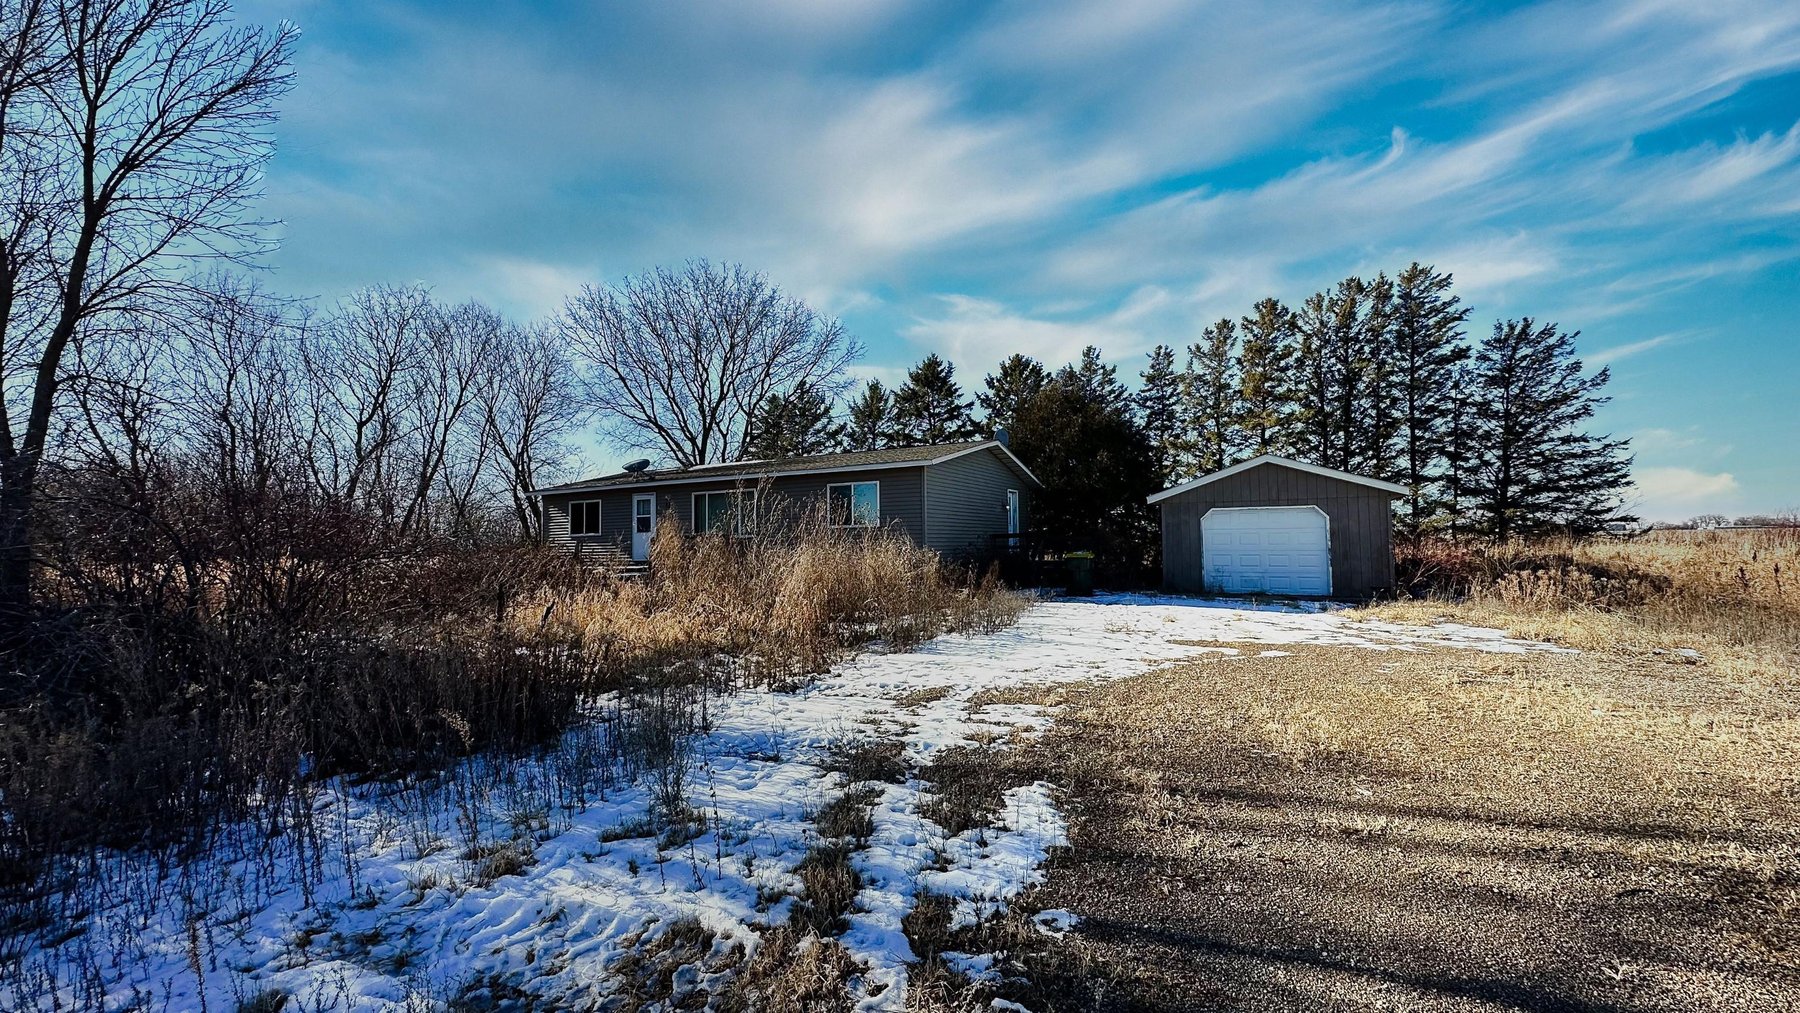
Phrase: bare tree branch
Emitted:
{"points": [[677, 361]]}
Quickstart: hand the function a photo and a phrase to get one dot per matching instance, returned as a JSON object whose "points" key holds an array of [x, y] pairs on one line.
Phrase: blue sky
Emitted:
{"points": [[980, 179]]}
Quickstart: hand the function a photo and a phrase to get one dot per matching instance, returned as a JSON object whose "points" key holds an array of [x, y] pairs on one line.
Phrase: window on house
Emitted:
{"points": [[854, 504], [584, 517], [713, 510]]}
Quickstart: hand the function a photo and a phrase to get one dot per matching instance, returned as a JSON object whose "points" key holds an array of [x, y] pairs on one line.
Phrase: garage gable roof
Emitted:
{"points": [[1343, 476]]}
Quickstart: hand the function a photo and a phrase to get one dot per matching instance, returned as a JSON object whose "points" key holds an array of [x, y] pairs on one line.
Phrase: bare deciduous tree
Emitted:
{"points": [[398, 414], [529, 409], [679, 360], [132, 135]]}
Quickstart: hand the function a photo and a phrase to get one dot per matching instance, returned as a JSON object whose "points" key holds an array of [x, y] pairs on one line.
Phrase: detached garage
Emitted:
{"points": [[1275, 526]]}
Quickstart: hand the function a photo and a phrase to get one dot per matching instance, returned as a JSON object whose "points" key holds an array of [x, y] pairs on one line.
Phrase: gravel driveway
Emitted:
{"points": [[1349, 830]]}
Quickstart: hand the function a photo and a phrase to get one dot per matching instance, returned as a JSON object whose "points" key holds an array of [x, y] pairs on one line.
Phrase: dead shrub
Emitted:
{"points": [[269, 1000], [927, 925], [779, 606], [831, 885], [792, 972], [848, 815], [933, 987], [648, 973], [657, 727], [867, 759], [1728, 595], [495, 860], [922, 696], [969, 785], [138, 725]]}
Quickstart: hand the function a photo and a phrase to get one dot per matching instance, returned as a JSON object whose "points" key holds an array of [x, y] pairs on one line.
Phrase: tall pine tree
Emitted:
{"points": [[929, 407], [1008, 389], [869, 420], [1080, 437], [794, 424], [1265, 382], [1315, 383], [1536, 469], [1210, 400], [1346, 408], [1427, 348], [1159, 406], [1459, 452], [1376, 415], [1098, 379]]}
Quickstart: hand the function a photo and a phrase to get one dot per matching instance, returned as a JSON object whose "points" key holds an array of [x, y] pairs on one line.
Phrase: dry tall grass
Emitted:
{"points": [[776, 609], [1731, 596], [135, 728]]}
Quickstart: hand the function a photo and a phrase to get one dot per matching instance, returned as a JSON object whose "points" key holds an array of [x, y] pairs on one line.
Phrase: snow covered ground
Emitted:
{"points": [[401, 923]]}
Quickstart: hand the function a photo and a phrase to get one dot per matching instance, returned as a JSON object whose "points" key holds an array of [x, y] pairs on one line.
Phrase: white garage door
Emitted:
{"points": [[1266, 550]]}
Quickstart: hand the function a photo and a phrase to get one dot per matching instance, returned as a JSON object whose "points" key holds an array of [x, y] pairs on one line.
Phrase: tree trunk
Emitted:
{"points": [[16, 481]]}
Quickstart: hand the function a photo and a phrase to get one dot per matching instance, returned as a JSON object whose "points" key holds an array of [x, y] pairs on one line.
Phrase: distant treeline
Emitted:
{"points": [[1376, 377]]}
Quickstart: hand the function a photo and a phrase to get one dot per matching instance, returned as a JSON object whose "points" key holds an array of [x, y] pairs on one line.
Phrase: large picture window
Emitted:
{"points": [[713, 510], [584, 517], [854, 504]]}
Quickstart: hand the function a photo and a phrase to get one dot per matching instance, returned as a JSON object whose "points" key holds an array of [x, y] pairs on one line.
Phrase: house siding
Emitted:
{"points": [[902, 503], [1362, 525], [965, 502], [615, 521]]}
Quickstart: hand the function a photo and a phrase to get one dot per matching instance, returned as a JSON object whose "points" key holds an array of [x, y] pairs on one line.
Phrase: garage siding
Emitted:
{"points": [[1362, 525]]}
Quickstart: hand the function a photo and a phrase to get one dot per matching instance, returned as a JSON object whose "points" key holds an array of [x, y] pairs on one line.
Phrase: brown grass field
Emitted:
{"points": [[1340, 829]]}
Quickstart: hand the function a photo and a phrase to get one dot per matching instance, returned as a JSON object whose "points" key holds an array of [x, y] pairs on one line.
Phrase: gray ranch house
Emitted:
{"points": [[961, 499]]}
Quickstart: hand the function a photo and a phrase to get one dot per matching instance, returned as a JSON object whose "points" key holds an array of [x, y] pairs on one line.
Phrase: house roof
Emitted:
{"points": [[860, 460], [1342, 476]]}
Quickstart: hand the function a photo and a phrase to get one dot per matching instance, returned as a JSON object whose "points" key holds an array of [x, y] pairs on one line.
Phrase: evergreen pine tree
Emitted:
{"points": [[1458, 451], [1159, 405], [1315, 385], [1098, 380], [869, 421], [1097, 467], [1210, 400], [1266, 393], [929, 407], [795, 424], [1346, 408], [1536, 469], [1008, 389], [1426, 350], [1374, 423]]}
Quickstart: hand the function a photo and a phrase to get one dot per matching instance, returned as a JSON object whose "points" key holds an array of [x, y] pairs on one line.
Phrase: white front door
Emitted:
{"points": [[1266, 550], [643, 524], [1012, 511]]}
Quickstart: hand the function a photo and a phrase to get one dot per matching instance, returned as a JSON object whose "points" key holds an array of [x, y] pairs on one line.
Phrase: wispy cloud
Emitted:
{"points": [[988, 177], [980, 332], [1618, 353], [1678, 493]]}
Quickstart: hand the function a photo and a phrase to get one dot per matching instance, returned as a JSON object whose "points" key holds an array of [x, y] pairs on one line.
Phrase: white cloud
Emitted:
{"points": [[1658, 439], [976, 334], [1558, 159], [1617, 353], [1679, 493], [526, 288]]}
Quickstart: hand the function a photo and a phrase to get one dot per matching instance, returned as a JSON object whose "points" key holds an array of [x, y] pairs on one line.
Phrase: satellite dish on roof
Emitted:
{"points": [[638, 465]]}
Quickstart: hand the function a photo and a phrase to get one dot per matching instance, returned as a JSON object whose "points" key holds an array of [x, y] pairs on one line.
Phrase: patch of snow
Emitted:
{"points": [[1055, 921], [395, 926]]}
